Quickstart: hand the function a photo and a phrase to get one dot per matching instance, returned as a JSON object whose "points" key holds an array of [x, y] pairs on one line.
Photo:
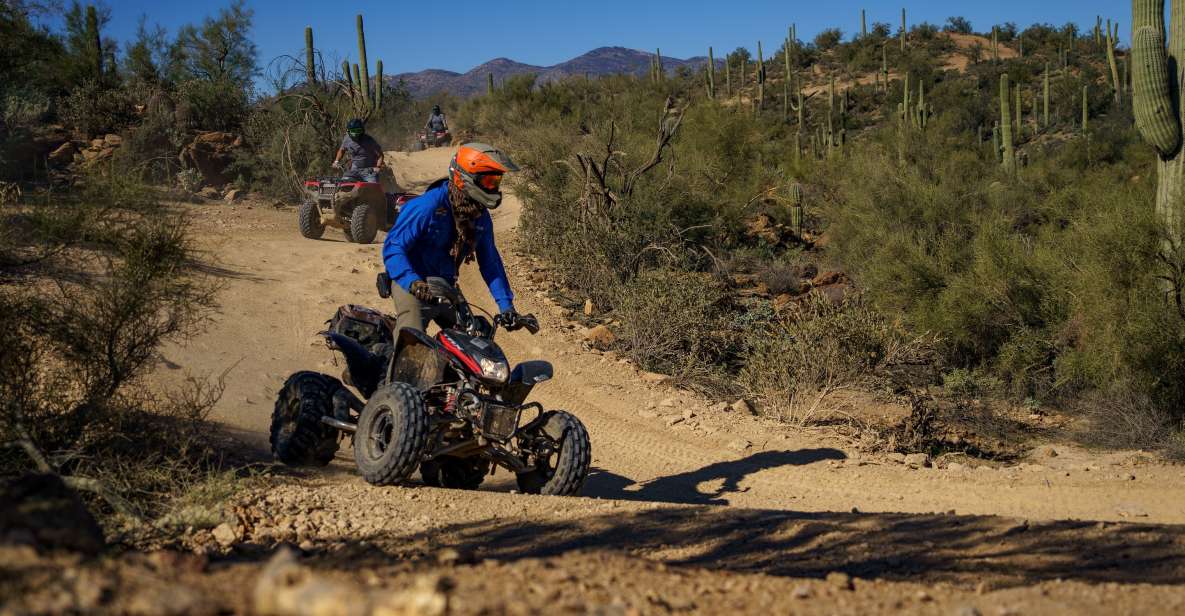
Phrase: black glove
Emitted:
{"points": [[422, 291], [508, 319]]}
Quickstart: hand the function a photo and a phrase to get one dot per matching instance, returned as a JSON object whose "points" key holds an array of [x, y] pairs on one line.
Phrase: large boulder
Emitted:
{"points": [[211, 153], [41, 511]]}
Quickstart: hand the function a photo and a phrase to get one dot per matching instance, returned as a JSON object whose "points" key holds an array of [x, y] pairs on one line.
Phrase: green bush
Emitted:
{"points": [[93, 108]]}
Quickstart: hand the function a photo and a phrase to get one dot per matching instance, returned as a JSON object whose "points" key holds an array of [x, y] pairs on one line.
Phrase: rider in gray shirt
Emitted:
{"points": [[366, 155]]}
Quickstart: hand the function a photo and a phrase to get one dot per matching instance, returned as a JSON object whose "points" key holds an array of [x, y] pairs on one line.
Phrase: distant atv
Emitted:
{"points": [[449, 404], [425, 140], [360, 209]]}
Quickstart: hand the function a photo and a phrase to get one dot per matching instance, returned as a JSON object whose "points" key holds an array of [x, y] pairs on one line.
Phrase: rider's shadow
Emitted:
{"points": [[709, 485]]}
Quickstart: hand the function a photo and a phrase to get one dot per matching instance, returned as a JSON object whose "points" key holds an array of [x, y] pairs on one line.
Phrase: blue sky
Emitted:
{"points": [[460, 34]]}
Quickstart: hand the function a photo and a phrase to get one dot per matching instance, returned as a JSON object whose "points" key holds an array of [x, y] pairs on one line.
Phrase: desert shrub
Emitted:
{"points": [[828, 39], [91, 284], [95, 108], [826, 346], [212, 104], [676, 323]]}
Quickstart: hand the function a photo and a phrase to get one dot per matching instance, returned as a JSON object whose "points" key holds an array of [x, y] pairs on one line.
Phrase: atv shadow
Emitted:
{"points": [[685, 488]]}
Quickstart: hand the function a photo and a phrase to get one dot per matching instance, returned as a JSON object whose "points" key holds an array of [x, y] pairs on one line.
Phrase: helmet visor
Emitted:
{"points": [[489, 182], [355, 132]]}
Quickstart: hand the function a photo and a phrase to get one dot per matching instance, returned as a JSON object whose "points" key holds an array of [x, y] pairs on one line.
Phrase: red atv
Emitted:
{"points": [[425, 140], [360, 209]]}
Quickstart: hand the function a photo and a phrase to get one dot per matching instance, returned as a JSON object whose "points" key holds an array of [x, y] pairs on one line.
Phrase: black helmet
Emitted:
{"points": [[436, 109], [355, 128]]}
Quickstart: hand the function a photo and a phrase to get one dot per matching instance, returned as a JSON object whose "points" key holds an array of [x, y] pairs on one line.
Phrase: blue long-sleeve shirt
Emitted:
{"points": [[418, 245]]}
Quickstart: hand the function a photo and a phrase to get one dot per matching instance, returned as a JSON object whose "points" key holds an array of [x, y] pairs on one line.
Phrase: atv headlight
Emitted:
{"points": [[494, 370]]}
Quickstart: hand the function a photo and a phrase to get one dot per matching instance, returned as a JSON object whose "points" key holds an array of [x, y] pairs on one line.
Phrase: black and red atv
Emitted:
{"points": [[449, 404], [359, 208], [434, 139]]}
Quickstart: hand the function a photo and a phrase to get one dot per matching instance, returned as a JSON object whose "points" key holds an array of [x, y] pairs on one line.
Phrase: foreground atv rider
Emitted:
{"points": [[436, 122], [445, 227], [366, 155]]}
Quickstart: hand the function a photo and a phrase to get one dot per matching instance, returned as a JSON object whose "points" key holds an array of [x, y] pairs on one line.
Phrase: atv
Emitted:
{"points": [[448, 404], [359, 208], [435, 139]]}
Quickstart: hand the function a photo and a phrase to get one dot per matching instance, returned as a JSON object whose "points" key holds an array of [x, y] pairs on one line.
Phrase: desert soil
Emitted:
{"points": [[691, 507]]}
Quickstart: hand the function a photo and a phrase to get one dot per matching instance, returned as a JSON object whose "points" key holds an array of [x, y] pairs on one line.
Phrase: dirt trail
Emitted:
{"points": [[794, 504]]}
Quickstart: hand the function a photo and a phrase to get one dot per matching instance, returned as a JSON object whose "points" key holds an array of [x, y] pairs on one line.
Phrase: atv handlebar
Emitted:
{"points": [[446, 294]]}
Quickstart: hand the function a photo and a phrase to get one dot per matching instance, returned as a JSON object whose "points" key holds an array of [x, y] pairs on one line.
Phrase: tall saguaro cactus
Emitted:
{"points": [[1157, 102], [760, 77], [711, 74], [1112, 36], [365, 81], [863, 23], [310, 65], [903, 31], [96, 39], [1046, 102], [1006, 148]]}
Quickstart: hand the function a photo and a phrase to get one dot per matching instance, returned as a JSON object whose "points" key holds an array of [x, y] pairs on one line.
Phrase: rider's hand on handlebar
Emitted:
{"points": [[512, 320], [337, 164], [422, 291]]}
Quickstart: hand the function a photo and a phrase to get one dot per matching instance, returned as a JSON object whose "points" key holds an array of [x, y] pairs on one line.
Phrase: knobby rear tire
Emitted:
{"points": [[363, 225], [298, 437]]}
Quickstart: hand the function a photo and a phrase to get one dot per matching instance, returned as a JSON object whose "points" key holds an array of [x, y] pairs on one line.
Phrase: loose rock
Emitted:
{"points": [[600, 337], [839, 580], [917, 460]]}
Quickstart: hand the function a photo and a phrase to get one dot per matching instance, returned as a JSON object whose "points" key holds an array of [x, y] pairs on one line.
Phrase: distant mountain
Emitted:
{"points": [[600, 61]]}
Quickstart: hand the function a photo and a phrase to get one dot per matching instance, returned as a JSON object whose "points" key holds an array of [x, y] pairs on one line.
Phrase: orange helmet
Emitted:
{"points": [[477, 171]]}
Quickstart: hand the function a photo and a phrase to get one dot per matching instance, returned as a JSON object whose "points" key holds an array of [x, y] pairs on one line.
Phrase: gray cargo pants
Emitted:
{"points": [[412, 313]]}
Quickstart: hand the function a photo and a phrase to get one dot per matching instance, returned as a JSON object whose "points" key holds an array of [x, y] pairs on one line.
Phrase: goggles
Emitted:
{"points": [[355, 132], [489, 182]]}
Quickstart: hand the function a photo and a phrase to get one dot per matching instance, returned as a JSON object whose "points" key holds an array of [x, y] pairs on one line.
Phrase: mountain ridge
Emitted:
{"points": [[608, 60]]}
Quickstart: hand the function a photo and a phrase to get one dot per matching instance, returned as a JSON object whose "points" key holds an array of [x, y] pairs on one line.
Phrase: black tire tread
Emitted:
{"points": [[309, 219], [363, 227], [413, 431], [311, 442], [572, 465]]}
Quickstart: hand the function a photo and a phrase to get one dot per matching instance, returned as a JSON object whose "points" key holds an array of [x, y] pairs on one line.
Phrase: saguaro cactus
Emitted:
{"points": [[796, 208], [346, 76], [1157, 102], [1085, 109], [760, 77], [1046, 108], [903, 30], [489, 83], [365, 81], [310, 66], [863, 23], [1112, 37], [95, 39], [711, 74], [1006, 149]]}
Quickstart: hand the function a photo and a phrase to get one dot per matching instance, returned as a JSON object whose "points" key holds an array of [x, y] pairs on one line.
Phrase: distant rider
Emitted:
{"points": [[436, 122], [366, 155], [445, 227]]}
